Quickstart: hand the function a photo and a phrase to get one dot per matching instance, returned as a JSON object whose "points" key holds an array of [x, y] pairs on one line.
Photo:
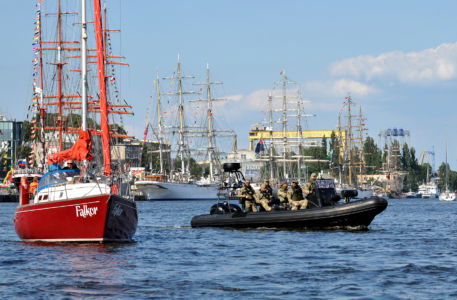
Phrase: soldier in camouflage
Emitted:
{"points": [[247, 195], [268, 189], [282, 195], [263, 198], [295, 196], [309, 190]]}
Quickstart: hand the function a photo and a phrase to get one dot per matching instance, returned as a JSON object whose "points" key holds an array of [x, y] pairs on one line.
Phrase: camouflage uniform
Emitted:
{"points": [[310, 188], [282, 195], [295, 195], [247, 193], [263, 198], [268, 189]]}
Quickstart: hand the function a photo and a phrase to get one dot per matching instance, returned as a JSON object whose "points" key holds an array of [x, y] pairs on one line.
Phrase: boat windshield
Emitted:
{"points": [[56, 177], [325, 184]]}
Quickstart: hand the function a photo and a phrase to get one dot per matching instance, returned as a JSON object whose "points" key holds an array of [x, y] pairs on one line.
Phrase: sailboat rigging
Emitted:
{"points": [[447, 195], [73, 205], [183, 139]]}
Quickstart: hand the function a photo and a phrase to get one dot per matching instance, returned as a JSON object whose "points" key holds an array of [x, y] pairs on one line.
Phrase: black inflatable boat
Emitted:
{"points": [[359, 213], [325, 212]]}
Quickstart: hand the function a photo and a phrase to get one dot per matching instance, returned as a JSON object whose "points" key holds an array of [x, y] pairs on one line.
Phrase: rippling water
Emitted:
{"points": [[410, 252]]}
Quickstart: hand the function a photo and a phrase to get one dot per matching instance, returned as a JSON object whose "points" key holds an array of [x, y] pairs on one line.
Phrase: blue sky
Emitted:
{"points": [[398, 59]]}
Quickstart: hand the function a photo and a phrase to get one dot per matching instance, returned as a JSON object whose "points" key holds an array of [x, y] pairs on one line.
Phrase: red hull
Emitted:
{"points": [[93, 219]]}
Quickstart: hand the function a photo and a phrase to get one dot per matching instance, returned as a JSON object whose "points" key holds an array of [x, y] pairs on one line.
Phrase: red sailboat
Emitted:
{"points": [[73, 205]]}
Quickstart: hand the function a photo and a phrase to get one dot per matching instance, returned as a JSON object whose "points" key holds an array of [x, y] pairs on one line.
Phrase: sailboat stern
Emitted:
{"points": [[121, 219]]}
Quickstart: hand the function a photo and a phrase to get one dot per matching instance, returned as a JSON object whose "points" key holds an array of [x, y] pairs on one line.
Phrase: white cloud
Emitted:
{"points": [[257, 100], [336, 88], [344, 86], [235, 98], [426, 66]]}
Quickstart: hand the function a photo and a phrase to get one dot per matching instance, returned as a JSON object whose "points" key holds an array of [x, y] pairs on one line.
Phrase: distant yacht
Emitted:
{"points": [[411, 194], [447, 195], [429, 190]]}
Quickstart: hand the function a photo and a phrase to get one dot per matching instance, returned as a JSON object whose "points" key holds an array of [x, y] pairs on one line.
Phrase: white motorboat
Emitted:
{"points": [[429, 190], [157, 190], [411, 194]]}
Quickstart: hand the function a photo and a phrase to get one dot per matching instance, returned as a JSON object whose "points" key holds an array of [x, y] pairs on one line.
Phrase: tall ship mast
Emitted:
{"points": [[212, 151], [284, 142], [190, 131], [182, 150], [201, 110], [353, 160], [60, 72]]}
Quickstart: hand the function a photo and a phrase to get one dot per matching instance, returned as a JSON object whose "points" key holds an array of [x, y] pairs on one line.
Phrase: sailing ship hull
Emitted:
{"points": [[102, 218], [357, 214], [156, 190]]}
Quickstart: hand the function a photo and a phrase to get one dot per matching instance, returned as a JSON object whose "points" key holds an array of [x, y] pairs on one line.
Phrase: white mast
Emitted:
{"points": [[84, 70], [349, 139], [160, 125], [182, 128], [284, 123], [282, 138], [447, 178], [211, 132], [270, 157], [210, 124], [181, 119], [300, 136]]}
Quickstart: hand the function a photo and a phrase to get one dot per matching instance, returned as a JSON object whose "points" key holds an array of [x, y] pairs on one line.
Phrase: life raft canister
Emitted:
{"points": [[24, 191]]}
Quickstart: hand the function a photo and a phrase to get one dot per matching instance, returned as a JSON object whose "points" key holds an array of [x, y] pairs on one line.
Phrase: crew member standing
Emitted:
{"points": [[33, 186], [247, 194], [309, 190]]}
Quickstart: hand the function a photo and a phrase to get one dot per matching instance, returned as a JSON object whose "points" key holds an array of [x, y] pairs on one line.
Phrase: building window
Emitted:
{"points": [[243, 156]]}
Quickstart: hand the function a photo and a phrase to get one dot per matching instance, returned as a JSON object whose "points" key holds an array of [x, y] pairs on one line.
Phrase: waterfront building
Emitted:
{"points": [[10, 131]]}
